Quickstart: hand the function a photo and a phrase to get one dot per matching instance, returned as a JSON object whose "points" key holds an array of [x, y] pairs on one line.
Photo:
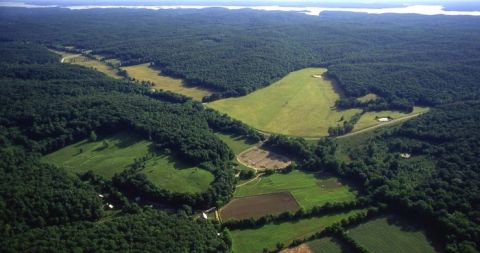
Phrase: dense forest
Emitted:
{"points": [[405, 59]]}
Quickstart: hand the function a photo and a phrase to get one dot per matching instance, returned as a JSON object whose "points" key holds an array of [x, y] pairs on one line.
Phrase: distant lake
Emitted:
{"points": [[412, 9]]}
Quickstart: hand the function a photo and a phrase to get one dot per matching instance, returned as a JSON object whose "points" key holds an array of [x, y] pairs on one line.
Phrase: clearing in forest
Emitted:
{"points": [[308, 189], [262, 159], [167, 172], [143, 72], [389, 234], [370, 119], [237, 143], [258, 206], [104, 157], [299, 104], [115, 153], [94, 62], [254, 240]]}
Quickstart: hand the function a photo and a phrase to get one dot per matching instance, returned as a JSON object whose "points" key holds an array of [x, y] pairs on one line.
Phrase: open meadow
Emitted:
{"points": [[169, 173], [254, 240], [143, 72], [113, 154], [299, 104], [389, 234], [308, 189], [237, 143], [104, 157], [94, 63]]}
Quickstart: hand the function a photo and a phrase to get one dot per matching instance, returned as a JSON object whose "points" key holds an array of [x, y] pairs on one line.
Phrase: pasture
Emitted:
{"points": [[298, 104], [308, 189], [369, 119], [323, 245], [262, 159], [94, 63], [143, 72], [388, 234], [254, 240], [167, 172], [104, 157], [259, 205]]}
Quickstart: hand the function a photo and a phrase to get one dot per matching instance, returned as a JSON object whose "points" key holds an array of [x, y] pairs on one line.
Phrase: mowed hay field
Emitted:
{"points": [[96, 64], [308, 189], [368, 119], [104, 157], [262, 159], [259, 205], [143, 72], [323, 245], [379, 236], [298, 104], [254, 240], [169, 173]]}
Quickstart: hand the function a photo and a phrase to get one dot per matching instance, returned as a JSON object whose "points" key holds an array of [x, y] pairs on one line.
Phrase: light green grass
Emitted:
{"points": [[168, 173], [298, 104], [305, 187], [368, 119], [378, 236], [118, 152], [122, 150], [95, 64], [236, 143], [368, 97], [254, 240], [328, 245], [143, 72]]}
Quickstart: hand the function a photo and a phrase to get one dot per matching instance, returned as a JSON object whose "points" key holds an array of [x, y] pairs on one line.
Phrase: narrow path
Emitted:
{"points": [[251, 180], [380, 125]]}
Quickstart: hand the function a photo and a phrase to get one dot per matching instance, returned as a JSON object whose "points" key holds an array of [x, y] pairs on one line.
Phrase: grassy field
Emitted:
{"points": [[87, 62], [237, 144], [104, 157], [168, 173], [368, 119], [379, 236], [254, 240], [328, 245], [308, 189], [145, 73], [116, 153], [368, 97], [298, 104]]}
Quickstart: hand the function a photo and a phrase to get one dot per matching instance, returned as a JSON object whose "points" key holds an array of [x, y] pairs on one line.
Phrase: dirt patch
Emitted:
{"points": [[302, 248], [259, 205], [329, 184], [262, 159]]}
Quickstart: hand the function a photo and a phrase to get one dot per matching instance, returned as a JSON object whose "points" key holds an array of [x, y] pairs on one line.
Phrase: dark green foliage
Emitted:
{"points": [[148, 231], [405, 59], [38, 195], [445, 197]]}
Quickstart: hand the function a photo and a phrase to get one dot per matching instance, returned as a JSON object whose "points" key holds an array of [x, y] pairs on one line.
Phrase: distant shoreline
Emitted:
{"points": [[411, 9]]}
